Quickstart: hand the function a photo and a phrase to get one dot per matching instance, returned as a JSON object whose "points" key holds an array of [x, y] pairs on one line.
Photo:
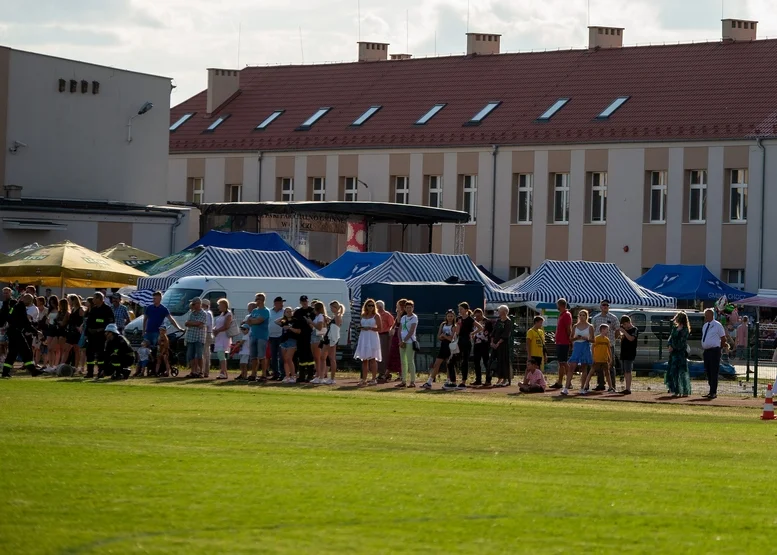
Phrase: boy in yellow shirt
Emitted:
{"points": [[602, 359], [535, 342]]}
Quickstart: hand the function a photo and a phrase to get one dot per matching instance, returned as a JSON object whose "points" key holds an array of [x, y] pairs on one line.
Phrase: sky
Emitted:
{"points": [[181, 38]]}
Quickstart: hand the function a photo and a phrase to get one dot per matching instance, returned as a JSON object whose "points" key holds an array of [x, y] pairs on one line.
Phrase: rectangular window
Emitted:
{"points": [[221, 119], [598, 197], [550, 112], [483, 114], [181, 121], [402, 190], [518, 271], [561, 198], [735, 278], [470, 196], [287, 189], [430, 114], [271, 118], [738, 195], [313, 119], [350, 189], [319, 189], [612, 108], [198, 190], [697, 198], [435, 191], [525, 193], [658, 197], [366, 115], [234, 193]]}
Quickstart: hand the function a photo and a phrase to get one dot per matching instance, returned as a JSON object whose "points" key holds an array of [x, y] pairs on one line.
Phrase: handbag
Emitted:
{"points": [[454, 346], [416, 346], [234, 329]]}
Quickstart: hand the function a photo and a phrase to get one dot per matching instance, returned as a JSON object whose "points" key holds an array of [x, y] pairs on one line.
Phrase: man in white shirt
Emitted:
{"points": [[713, 337]]}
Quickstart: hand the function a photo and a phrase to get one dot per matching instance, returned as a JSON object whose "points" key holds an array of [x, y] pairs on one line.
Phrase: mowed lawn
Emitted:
{"points": [[135, 467]]}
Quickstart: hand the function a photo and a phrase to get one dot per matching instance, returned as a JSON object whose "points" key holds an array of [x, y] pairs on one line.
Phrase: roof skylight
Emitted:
{"points": [[271, 118], [219, 121], [610, 110], [366, 115], [550, 112], [430, 114], [184, 118], [483, 114], [313, 119]]}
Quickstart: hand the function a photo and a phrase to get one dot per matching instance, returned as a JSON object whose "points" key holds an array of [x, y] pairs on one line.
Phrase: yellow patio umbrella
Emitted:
{"points": [[129, 255], [67, 265]]}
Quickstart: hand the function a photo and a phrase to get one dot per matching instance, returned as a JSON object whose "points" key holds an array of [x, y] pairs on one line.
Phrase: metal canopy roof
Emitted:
{"points": [[374, 212]]}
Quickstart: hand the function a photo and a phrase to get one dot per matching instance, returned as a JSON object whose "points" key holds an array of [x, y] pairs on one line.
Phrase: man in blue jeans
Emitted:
{"points": [[154, 317], [276, 361]]}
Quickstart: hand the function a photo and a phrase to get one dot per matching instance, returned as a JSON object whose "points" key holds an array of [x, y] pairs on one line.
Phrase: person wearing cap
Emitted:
{"points": [[606, 318], [276, 359], [118, 354], [259, 320], [98, 318], [195, 337], [120, 313], [303, 321]]}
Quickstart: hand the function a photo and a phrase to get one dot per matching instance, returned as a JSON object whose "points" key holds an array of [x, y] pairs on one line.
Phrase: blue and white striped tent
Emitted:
{"points": [[586, 284], [408, 268], [215, 261]]}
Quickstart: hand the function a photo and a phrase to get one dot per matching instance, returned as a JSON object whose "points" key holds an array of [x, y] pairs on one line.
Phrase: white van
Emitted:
{"points": [[241, 290]]}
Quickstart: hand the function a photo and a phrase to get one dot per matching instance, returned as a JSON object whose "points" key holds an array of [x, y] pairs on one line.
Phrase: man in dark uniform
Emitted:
{"points": [[303, 321], [100, 315], [18, 323], [119, 356]]}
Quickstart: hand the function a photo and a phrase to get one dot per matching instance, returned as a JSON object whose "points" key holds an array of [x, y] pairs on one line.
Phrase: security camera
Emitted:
{"points": [[14, 148], [145, 108]]}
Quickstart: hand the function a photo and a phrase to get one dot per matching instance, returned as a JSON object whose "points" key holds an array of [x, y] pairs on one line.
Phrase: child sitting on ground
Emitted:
{"points": [[602, 359], [533, 381], [143, 355]]}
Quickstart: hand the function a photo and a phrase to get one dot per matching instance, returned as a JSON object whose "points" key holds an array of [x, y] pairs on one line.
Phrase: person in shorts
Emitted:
{"points": [[602, 360], [535, 342], [196, 328], [563, 342], [629, 336], [144, 354], [259, 320]]}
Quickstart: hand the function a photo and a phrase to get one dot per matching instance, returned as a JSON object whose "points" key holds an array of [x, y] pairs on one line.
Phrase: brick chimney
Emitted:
{"points": [[482, 43], [373, 51], [401, 56], [739, 30], [605, 37], [222, 83]]}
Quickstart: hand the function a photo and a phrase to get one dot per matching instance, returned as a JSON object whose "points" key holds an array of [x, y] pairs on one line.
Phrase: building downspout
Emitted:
{"points": [[760, 144], [178, 218], [494, 153], [259, 178]]}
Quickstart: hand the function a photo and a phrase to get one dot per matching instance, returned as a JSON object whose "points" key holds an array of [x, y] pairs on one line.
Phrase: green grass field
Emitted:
{"points": [[133, 467]]}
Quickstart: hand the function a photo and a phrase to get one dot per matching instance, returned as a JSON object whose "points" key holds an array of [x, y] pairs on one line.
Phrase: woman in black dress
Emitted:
{"points": [[500, 343]]}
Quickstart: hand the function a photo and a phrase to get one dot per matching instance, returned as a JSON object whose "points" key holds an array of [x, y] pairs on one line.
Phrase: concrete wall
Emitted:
{"points": [[77, 142]]}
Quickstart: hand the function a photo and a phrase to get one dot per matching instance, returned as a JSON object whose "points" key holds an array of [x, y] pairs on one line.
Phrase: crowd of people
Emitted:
{"points": [[299, 345]]}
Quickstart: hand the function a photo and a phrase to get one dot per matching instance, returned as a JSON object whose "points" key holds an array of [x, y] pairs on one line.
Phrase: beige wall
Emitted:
{"points": [[721, 246], [5, 59]]}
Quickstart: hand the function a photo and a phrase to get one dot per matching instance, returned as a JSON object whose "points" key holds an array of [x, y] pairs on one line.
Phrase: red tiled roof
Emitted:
{"points": [[679, 92]]}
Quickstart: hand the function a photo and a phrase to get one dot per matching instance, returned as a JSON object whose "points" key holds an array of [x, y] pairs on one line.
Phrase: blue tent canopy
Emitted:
{"points": [[689, 283], [586, 284], [269, 241], [353, 264], [412, 268]]}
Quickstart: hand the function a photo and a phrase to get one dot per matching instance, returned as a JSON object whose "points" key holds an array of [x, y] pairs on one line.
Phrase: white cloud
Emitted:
{"points": [[180, 38]]}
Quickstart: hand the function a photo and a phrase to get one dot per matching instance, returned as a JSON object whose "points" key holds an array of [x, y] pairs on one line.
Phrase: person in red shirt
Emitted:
{"points": [[563, 334]]}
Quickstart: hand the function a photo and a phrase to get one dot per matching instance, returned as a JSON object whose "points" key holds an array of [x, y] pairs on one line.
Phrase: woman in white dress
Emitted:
{"points": [[368, 348], [222, 342], [333, 334]]}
